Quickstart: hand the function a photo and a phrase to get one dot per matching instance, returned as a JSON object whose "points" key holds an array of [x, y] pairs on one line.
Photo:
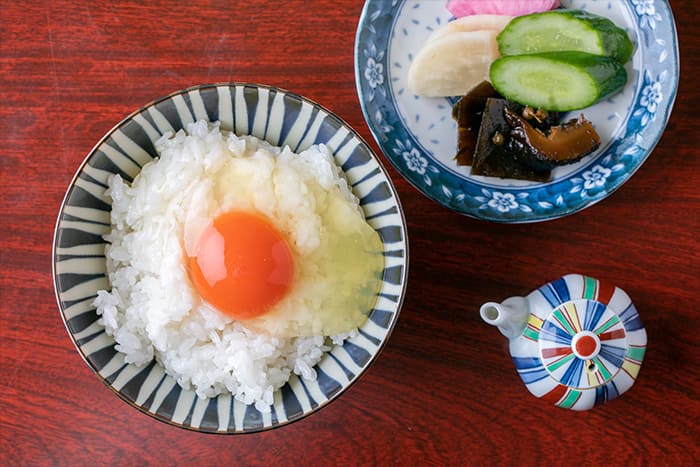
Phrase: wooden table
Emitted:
{"points": [[444, 391]]}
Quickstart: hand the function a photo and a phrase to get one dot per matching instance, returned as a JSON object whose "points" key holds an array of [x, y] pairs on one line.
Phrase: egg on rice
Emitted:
{"points": [[235, 263]]}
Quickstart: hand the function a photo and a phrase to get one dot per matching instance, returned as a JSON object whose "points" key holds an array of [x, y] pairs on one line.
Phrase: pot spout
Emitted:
{"points": [[510, 316]]}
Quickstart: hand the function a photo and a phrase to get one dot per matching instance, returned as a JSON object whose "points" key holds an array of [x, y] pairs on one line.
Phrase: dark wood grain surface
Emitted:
{"points": [[444, 390]]}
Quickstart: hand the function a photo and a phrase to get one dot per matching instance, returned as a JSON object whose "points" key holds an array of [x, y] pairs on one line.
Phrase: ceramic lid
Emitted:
{"points": [[589, 339]]}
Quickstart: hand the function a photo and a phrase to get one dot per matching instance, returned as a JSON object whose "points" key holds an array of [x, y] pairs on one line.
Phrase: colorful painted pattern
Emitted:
{"points": [[532, 330], [558, 352], [588, 350]]}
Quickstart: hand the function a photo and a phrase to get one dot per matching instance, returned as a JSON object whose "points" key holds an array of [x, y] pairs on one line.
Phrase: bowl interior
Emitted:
{"points": [[281, 118]]}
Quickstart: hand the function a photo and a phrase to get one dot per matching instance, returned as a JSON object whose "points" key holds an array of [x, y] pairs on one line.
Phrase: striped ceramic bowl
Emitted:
{"points": [[281, 118]]}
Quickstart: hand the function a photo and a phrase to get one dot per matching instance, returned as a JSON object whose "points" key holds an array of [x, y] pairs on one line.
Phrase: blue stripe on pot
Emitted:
{"points": [[606, 392], [613, 354], [572, 375], [594, 311], [530, 369], [556, 292], [630, 319], [553, 333]]}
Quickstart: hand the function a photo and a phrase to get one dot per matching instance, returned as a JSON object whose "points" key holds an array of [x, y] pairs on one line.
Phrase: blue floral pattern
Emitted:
{"points": [[652, 96], [653, 83], [646, 10], [503, 202], [595, 177], [415, 161], [374, 71]]}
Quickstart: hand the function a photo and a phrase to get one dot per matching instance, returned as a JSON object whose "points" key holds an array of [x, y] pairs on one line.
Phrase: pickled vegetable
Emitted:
{"points": [[559, 81], [493, 155], [562, 144], [467, 112], [560, 30]]}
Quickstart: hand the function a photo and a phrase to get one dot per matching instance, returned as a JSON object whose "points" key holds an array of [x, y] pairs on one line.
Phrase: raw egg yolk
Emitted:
{"points": [[242, 265]]}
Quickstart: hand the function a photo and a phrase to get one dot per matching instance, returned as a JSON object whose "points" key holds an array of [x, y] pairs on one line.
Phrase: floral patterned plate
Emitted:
{"points": [[419, 137]]}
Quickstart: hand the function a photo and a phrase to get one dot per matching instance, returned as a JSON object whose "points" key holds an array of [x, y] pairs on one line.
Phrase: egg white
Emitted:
{"points": [[337, 255]]}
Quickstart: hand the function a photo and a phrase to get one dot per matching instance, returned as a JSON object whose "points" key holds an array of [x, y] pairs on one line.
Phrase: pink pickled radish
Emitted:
{"points": [[461, 8]]}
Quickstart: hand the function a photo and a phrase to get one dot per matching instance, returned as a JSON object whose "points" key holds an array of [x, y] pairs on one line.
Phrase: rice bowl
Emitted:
{"points": [[318, 369], [152, 309]]}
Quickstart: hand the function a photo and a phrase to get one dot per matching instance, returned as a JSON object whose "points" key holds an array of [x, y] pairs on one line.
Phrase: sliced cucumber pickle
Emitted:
{"points": [[558, 81], [560, 30]]}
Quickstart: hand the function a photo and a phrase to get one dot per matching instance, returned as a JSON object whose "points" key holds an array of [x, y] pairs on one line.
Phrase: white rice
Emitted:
{"points": [[152, 311]]}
